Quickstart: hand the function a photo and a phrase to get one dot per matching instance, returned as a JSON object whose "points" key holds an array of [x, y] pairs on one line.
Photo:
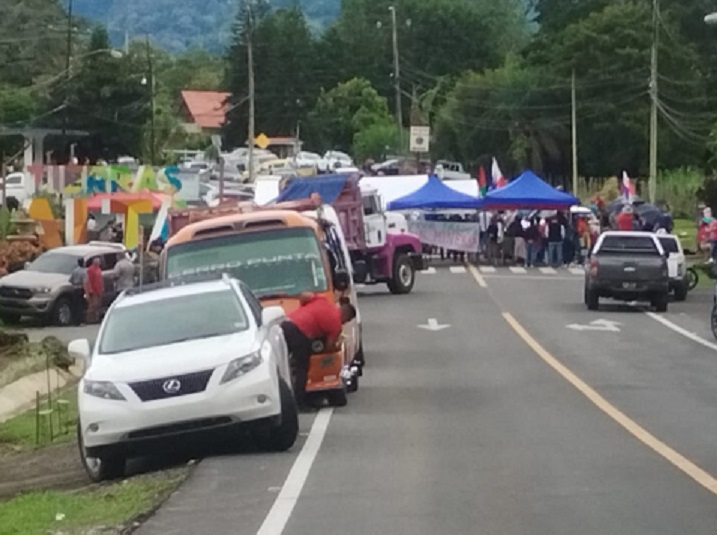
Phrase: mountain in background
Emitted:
{"points": [[180, 24]]}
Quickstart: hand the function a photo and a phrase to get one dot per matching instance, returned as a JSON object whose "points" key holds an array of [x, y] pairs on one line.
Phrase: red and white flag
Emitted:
{"points": [[497, 175], [627, 187]]}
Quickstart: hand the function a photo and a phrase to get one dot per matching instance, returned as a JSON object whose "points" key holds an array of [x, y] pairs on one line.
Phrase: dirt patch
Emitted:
{"points": [[55, 467]]}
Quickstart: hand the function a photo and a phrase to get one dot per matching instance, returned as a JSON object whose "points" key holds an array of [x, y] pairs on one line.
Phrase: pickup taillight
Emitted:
{"points": [[594, 264]]}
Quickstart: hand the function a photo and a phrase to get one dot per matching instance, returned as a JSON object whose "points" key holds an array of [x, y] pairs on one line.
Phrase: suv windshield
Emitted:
{"points": [[617, 244], [54, 263], [184, 318], [286, 261], [669, 245]]}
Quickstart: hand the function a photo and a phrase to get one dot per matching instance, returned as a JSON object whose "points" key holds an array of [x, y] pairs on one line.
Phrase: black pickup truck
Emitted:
{"points": [[627, 266]]}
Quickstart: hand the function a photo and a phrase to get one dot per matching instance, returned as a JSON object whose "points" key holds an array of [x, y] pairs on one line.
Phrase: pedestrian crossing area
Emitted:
{"points": [[574, 271]]}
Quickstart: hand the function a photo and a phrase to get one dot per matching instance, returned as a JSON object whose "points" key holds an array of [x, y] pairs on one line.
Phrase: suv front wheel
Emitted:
{"points": [[63, 313]]}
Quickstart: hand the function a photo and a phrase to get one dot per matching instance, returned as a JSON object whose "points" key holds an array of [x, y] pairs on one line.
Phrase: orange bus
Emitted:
{"points": [[279, 254]]}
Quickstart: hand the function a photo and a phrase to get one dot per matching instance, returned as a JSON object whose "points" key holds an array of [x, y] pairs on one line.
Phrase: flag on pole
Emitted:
{"points": [[482, 182], [627, 187], [498, 179]]}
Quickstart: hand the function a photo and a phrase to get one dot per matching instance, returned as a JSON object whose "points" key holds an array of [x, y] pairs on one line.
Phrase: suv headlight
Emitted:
{"points": [[241, 366], [103, 390], [41, 290]]}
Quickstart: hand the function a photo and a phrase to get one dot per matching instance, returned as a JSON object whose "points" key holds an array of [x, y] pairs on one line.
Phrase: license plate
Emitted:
{"points": [[629, 285]]}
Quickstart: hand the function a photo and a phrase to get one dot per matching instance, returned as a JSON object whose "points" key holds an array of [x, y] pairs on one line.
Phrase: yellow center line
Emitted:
{"points": [[701, 476], [477, 275]]}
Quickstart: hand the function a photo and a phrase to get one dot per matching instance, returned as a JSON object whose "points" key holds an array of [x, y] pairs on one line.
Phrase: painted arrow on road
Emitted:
{"points": [[597, 325], [433, 325]]}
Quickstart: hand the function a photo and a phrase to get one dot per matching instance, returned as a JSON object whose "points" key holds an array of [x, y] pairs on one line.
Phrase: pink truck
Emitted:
{"points": [[381, 251]]}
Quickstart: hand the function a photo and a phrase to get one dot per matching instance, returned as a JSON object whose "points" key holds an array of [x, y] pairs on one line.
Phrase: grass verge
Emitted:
{"points": [[109, 505], [687, 232], [18, 434]]}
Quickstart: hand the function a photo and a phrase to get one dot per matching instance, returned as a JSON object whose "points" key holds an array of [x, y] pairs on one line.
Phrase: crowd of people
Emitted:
{"points": [[552, 238]]}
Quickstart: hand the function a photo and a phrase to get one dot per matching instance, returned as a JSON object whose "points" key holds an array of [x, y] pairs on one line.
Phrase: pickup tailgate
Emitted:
{"points": [[624, 267]]}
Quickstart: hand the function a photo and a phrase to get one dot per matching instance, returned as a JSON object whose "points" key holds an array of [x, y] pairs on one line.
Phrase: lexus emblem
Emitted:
{"points": [[171, 386]]}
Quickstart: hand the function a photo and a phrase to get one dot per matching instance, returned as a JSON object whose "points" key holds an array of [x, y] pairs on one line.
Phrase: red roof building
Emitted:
{"points": [[204, 111]]}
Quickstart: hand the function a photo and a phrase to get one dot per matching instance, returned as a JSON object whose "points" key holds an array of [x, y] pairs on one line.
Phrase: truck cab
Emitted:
{"points": [[381, 248], [279, 254]]}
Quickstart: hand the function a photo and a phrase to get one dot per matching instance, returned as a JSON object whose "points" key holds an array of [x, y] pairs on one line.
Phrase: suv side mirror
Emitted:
{"points": [[360, 271], [272, 314], [79, 349], [341, 280]]}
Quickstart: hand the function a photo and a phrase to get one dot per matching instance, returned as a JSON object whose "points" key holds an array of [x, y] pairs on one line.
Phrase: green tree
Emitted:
{"points": [[345, 110], [284, 64], [375, 141], [609, 50]]}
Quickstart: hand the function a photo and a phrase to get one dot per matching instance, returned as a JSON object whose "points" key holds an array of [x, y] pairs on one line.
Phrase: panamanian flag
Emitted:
{"points": [[627, 187]]}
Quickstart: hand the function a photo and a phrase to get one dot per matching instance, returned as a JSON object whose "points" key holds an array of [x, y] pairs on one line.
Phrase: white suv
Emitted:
{"points": [[179, 359], [676, 265]]}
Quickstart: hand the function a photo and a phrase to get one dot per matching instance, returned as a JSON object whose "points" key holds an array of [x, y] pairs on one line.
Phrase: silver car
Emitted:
{"points": [[43, 290]]}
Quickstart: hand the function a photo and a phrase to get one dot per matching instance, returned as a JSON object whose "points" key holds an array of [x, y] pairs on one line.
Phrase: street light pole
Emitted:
{"points": [[652, 186], [397, 77], [150, 84]]}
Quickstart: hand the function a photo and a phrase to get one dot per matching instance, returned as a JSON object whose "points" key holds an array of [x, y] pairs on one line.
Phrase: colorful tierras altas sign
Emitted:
{"points": [[87, 180]]}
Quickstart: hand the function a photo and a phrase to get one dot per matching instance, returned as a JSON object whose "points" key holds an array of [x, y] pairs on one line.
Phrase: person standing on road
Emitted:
{"points": [[94, 288], [315, 318], [124, 273], [555, 234], [77, 280]]}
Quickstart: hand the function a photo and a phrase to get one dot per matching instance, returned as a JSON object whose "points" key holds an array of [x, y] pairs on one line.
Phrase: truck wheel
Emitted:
{"points": [[403, 276], [282, 437], [681, 292], [660, 302], [353, 385], [337, 398], [62, 313], [105, 468], [592, 301], [692, 278]]}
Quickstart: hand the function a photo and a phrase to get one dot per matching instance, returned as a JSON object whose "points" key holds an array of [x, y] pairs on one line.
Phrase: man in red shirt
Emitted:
{"points": [[624, 219], [94, 288], [315, 318]]}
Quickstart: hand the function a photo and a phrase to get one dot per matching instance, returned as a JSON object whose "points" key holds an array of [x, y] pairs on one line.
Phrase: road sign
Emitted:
{"points": [[261, 141], [420, 138], [597, 325], [433, 325]]}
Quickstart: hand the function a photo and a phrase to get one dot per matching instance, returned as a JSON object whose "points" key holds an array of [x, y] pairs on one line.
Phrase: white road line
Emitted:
{"points": [[429, 271], [477, 276], [487, 269], [577, 271], [457, 269], [521, 270], [548, 271], [684, 332], [278, 516]]}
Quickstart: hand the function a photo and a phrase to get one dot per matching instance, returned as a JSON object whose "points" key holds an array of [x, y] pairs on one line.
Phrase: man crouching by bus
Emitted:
{"points": [[315, 318]]}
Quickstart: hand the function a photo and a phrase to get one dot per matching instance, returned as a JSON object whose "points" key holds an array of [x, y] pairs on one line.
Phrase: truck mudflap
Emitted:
{"points": [[325, 372], [417, 261]]}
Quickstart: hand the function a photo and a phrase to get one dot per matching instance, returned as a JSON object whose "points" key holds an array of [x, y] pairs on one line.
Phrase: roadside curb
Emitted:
{"points": [[20, 395]]}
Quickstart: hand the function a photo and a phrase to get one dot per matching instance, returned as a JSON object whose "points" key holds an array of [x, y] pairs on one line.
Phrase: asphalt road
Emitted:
{"points": [[501, 420]]}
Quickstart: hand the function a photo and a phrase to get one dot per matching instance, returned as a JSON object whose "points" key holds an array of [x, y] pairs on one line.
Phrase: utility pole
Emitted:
{"points": [[575, 135], [150, 84], [68, 61], [652, 185], [397, 77], [250, 68]]}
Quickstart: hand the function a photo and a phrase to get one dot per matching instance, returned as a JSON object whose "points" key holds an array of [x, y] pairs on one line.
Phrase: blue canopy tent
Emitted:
{"points": [[528, 191], [435, 195]]}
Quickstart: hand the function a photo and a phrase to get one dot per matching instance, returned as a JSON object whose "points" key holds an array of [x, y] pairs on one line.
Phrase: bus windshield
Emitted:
{"points": [[284, 261]]}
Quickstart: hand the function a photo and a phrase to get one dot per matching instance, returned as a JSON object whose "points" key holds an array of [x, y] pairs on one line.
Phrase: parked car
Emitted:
{"points": [[177, 360], [334, 159], [42, 290], [676, 265], [627, 266]]}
